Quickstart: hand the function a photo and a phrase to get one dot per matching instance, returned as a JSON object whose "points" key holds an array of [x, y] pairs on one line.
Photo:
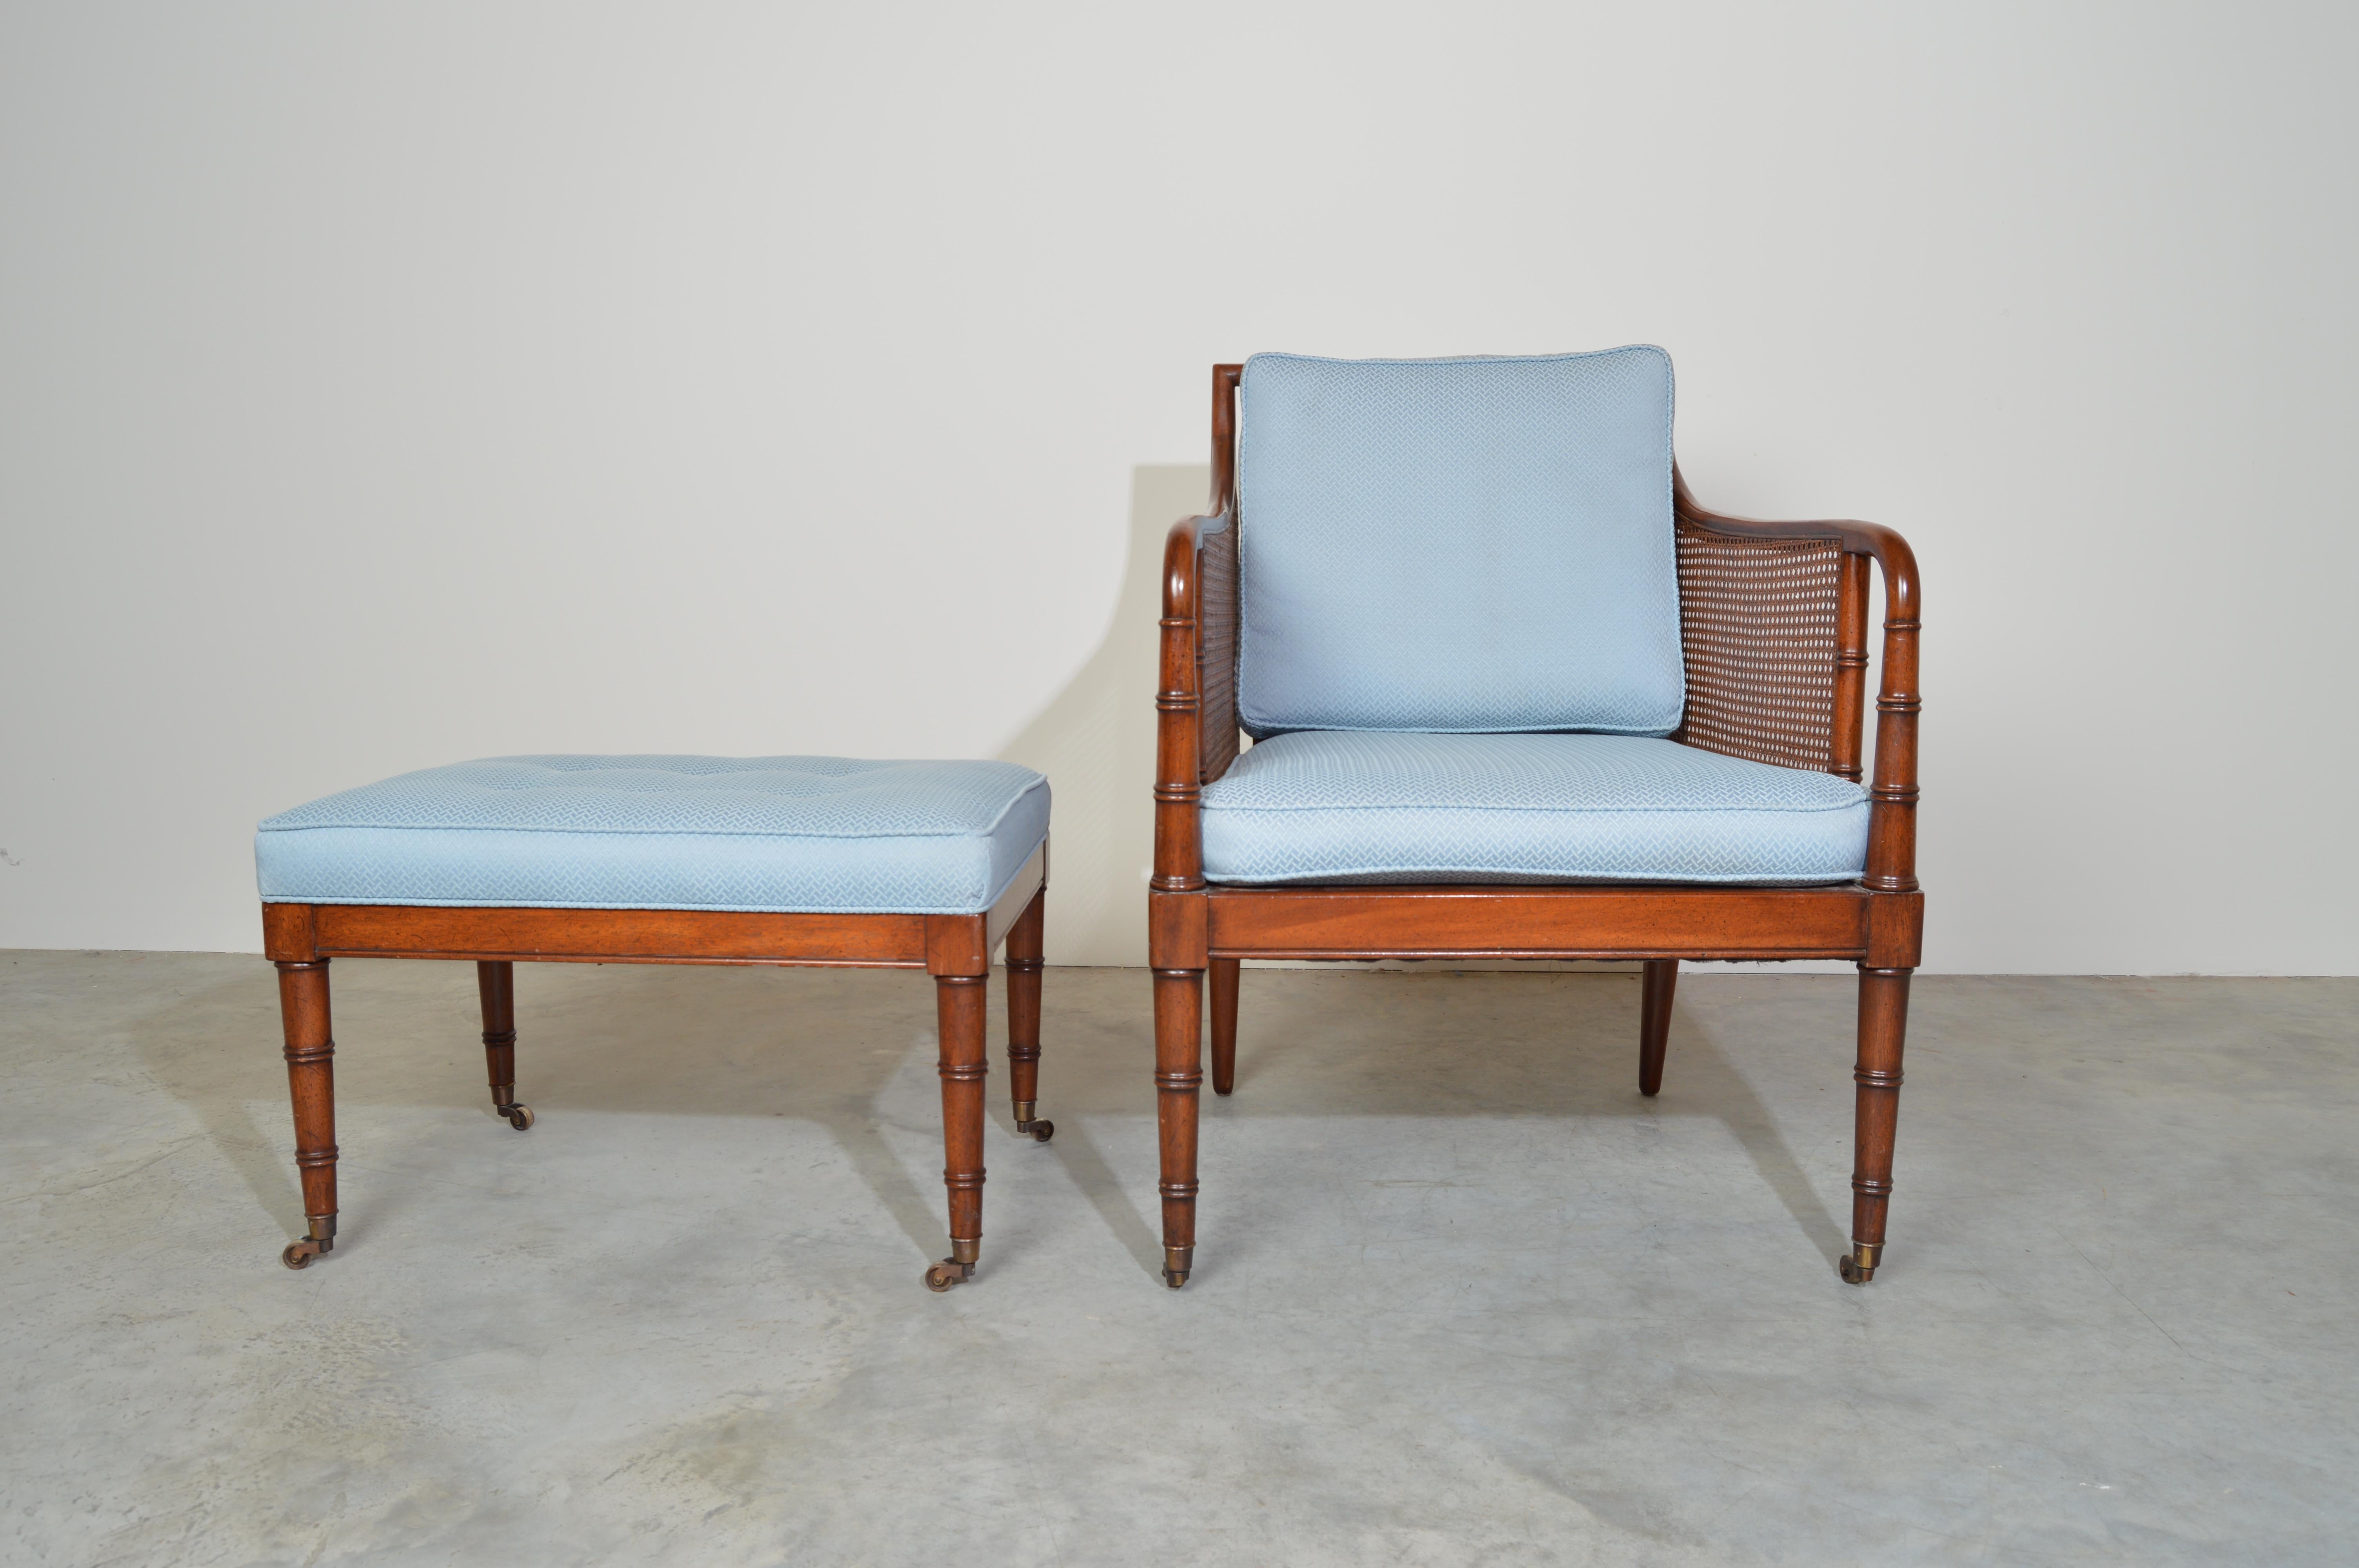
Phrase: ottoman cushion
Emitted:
{"points": [[807, 834]]}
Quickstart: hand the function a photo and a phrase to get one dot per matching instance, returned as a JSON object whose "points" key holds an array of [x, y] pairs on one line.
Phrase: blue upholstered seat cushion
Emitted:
{"points": [[1327, 806], [821, 834], [1476, 545]]}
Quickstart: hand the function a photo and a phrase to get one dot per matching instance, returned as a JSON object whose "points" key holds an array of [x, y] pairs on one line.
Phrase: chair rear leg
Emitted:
{"points": [[965, 1063], [495, 979], [1179, 1079], [1883, 1023], [1662, 978], [303, 1014], [1224, 1025], [1024, 963]]}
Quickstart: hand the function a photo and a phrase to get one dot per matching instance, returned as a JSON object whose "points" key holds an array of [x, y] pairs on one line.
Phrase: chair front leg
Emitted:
{"points": [[496, 983], [1024, 964], [959, 1010], [303, 1014], [1224, 1025], [1883, 1023], [1178, 1077]]}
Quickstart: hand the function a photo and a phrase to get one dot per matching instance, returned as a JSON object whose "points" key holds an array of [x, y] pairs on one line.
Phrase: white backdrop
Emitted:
{"points": [[383, 386]]}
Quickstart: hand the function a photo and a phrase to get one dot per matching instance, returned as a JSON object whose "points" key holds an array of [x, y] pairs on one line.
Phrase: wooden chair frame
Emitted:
{"points": [[956, 949], [1195, 926]]}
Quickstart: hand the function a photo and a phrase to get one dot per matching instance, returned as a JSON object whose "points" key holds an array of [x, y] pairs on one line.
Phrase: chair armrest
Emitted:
{"points": [[1195, 700], [1892, 820]]}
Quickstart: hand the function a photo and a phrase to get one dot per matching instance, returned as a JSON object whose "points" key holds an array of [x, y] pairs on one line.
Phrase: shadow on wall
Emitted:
{"points": [[1095, 741]]}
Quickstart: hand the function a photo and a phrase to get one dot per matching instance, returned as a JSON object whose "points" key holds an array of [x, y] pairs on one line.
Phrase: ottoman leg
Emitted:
{"points": [[495, 979], [311, 1085], [1024, 963], [958, 1007]]}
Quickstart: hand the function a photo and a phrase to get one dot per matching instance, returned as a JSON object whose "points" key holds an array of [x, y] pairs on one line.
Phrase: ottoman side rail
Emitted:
{"points": [[296, 931]]}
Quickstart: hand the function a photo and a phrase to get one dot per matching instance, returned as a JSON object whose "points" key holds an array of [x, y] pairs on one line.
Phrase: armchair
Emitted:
{"points": [[1517, 695]]}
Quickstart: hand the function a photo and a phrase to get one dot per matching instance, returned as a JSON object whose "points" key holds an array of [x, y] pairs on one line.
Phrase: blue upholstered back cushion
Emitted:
{"points": [[1324, 806], [819, 834], [1459, 545]]}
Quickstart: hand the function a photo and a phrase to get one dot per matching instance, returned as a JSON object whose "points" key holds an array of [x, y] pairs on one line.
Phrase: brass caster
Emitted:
{"points": [[1175, 1278], [950, 1272], [1176, 1262], [299, 1254], [1041, 1131], [519, 1116], [1858, 1266]]}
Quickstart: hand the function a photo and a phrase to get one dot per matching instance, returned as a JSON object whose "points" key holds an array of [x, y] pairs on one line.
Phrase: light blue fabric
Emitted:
{"points": [[1477, 545], [1330, 806], [816, 835]]}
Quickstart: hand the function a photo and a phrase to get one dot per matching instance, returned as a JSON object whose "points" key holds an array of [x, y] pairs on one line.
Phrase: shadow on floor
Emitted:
{"points": [[852, 1051]]}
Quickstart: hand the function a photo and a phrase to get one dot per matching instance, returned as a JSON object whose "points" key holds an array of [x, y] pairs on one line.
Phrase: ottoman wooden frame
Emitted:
{"points": [[1758, 687], [956, 949]]}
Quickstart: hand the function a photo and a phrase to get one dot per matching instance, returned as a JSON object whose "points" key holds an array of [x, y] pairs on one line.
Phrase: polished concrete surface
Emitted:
{"points": [[1462, 1297]]}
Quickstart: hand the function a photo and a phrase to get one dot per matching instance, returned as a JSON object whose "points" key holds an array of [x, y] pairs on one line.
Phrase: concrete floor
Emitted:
{"points": [[1462, 1295]]}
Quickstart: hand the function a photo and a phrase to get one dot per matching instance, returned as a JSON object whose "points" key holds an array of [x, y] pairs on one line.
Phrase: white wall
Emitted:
{"points": [[386, 385]]}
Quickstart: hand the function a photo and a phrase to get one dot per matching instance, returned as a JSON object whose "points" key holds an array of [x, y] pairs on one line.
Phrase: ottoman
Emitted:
{"points": [[644, 859]]}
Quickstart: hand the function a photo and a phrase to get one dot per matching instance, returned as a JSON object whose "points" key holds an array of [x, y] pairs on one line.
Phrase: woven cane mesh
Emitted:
{"points": [[1216, 653], [1757, 624]]}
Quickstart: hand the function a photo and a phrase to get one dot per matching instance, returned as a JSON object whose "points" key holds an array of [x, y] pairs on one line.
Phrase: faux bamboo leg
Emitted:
{"points": [[1224, 1025], [1883, 1022], [495, 979], [1655, 1022], [959, 1008], [311, 1085], [1179, 1075], [1024, 963]]}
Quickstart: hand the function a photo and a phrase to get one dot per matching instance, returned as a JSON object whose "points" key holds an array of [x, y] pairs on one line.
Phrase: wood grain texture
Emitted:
{"points": [[1457, 921]]}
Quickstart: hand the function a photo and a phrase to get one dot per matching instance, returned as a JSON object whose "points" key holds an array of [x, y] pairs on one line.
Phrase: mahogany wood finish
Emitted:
{"points": [[1876, 923], [1224, 1025], [1024, 963], [1655, 1022], [496, 979], [956, 949]]}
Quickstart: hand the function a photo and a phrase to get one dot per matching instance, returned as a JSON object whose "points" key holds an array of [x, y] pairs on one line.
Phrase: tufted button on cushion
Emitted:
{"points": [[1324, 806], [809, 835]]}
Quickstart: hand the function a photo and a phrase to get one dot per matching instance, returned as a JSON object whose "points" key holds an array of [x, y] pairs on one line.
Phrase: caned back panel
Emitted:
{"points": [[1758, 626]]}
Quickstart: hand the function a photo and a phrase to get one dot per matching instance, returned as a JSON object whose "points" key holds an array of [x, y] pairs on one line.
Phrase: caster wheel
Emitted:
{"points": [[299, 1255], [946, 1273], [1848, 1267], [519, 1116], [1042, 1131], [1174, 1278]]}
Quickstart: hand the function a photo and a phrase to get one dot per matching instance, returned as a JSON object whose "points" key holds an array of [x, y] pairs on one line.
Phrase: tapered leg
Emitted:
{"points": [[496, 979], [311, 1085], [1024, 962], [1655, 1022], [1179, 1076], [1224, 1025], [959, 1008], [1883, 1021]]}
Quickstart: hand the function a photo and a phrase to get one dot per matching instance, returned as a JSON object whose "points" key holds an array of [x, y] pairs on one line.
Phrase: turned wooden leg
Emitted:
{"points": [[311, 1085], [1224, 1025], [1024, 962], [1883, 1021], [496, 979], [1655, 1022], [1179, 1075], [959, 1008]]}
